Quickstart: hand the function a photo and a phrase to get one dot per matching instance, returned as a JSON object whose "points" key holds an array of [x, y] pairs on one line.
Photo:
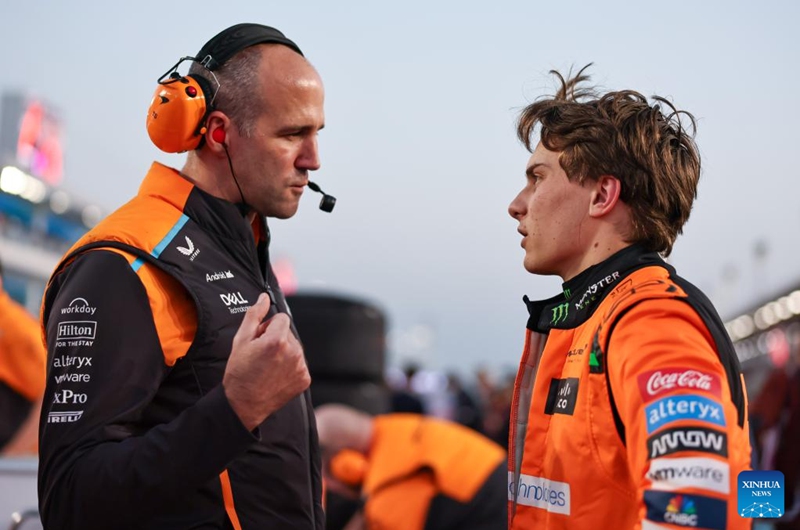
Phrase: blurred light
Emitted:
{"points": [[762, 344], [759, 320], [284, 272], [429, 382], [778, 347], [742, 327], [14, 181], [794, 302], [782, 308], [91, 215], [59, 202]]}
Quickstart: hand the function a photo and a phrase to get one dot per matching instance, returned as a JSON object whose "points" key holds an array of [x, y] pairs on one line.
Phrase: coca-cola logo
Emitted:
{"points": [[654, 383]]}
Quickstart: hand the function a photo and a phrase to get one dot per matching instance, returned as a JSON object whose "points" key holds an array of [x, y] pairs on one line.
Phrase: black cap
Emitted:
{"points": [[231, 41]]}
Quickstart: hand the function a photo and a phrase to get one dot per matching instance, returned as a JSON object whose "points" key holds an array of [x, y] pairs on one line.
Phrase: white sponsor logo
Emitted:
{"points": [[660, 382], [68, 397], [78, 305], [63, 361], [669, 474], [591, 292], [78, 329], [72, 378], [688, 439], [189, 249], [540, 492], [236, 300], [222, 275], [64, 417], [233, 298]]}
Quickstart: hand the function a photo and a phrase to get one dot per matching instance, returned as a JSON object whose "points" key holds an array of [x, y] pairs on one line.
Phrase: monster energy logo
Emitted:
{"points": [[560, 313], [567, 293]]}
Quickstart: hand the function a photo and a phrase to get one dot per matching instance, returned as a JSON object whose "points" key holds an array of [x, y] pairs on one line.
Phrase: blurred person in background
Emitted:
{"points": [[775, 413], [465, 409], [22, 377], [630, 364], [403, 398], [412, 472]]}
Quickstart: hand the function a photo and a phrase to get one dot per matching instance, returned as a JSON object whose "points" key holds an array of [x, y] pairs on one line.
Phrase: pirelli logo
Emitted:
{"points": [[64, 417]]}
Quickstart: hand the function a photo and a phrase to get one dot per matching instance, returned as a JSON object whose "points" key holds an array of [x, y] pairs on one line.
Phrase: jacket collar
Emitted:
{"points": [[213, 214], [582, 294]]}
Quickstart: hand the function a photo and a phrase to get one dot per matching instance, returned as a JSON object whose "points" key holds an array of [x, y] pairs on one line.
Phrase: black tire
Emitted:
{"points": [[343, 338]]}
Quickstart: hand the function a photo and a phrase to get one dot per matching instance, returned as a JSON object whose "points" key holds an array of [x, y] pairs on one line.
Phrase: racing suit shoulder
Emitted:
{"points": [[673, 396]]}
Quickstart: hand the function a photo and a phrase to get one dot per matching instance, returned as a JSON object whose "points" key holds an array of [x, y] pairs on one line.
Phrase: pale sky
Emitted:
{"points": [[420, 147]]}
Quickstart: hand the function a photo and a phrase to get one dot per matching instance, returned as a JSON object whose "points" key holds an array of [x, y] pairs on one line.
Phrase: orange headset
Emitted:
{"points": [[176, 119]]}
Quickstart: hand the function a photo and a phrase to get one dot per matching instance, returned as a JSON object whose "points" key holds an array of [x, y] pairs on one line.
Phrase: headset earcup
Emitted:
{"points": [[349, 467], [177, 114]]}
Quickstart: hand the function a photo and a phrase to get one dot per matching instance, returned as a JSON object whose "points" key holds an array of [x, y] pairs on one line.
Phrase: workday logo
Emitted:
{"points": [[760, 494]]}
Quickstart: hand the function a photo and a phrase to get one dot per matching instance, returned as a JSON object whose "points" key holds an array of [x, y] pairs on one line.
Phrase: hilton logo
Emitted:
{"points": [[80, 329]]}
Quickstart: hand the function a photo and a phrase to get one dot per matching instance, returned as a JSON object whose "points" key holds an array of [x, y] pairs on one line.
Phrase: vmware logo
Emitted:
{"points": [[760, 494]]}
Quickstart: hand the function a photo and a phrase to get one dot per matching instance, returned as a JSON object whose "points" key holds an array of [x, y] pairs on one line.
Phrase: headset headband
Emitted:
{"points": [[231, 41]]}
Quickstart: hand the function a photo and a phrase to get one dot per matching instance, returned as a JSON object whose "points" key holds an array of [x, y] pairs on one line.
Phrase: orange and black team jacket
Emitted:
{"points": [[633, 414], [429, 474], [22, 362], [136, 431]]}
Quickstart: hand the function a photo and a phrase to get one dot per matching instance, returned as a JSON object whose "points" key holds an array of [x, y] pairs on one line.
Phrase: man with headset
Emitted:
{"points": [[177, 390]]}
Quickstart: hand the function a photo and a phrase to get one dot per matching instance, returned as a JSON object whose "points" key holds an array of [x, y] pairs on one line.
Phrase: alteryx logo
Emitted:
{"points": [[760, 494], [560, 314], [683, 407]]}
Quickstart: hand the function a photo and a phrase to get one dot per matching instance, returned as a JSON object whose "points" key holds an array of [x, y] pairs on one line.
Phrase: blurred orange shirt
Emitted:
{"points": [[23, 358]]}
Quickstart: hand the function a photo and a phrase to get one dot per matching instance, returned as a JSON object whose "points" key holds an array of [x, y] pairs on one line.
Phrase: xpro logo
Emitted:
{"points": [[539, 492], [685, 407], [80, 306], [591, 293], [560, 314], [189, 249], [700, 439], [68, 397]]}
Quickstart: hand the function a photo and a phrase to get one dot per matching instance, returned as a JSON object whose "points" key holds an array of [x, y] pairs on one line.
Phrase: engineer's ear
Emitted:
{"points": [[605, 195], [216, 136]]}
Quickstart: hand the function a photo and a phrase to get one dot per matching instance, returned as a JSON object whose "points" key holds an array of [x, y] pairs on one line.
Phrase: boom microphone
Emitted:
{"points": [[327, 202]]}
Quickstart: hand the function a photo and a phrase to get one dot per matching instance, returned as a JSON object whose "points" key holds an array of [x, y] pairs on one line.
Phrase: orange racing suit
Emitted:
{"points": [[629, 406]]}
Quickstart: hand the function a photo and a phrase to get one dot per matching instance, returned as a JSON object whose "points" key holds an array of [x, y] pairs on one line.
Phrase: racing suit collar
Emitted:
{"points": [[582, 294]]}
